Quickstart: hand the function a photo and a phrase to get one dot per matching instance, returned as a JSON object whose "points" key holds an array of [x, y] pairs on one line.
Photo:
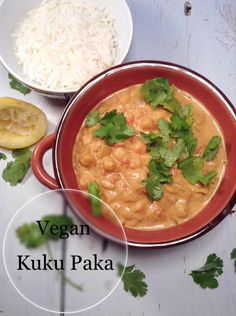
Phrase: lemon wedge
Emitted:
{"points": [[21, 124]]}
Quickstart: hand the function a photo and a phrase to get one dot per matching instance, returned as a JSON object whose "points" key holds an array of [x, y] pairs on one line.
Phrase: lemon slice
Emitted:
{"points": [[21, 124]]}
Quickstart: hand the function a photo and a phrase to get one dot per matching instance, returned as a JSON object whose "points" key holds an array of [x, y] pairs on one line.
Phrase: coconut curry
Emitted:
{"points": [[152, 152]]}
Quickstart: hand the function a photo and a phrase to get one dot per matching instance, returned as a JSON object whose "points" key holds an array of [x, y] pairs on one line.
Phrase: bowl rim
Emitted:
{"points": [[230, 203], [64, 93]]}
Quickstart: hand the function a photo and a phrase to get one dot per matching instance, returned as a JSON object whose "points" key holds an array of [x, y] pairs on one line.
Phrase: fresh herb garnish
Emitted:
{"points": [[212, 148], [93, 118], [159, 174], [207, 274], [133, 280], [94, 190], [165, 130], [157, 92], [233, 257], [233, 254], [16, 170], [192, 170], [31, 236], [114, 128], [3, 156], [17, 85]]}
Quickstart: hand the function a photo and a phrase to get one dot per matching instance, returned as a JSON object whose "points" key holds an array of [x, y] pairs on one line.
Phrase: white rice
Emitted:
{"points": [[63, 43]]}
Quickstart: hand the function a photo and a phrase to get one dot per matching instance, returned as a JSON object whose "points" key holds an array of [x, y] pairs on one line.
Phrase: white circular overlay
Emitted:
{"points": [[59, 262]]}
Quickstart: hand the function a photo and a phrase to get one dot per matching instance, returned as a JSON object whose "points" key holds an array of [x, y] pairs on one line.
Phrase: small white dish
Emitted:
{"points": [[13, 12]]}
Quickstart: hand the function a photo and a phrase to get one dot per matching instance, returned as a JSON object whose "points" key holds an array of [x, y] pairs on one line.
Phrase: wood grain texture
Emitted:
{"points": [[206, 42]]}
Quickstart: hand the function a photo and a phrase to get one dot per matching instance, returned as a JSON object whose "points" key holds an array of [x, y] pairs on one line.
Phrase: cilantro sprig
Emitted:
{"points": [[192, 170], [16, 170], [158, 92], [212, 148], [17, 85], [233, 257], [94, 190], [31, 236], [93, 118], [114, 128], [206, 276], [133, 280], [159, 174]]}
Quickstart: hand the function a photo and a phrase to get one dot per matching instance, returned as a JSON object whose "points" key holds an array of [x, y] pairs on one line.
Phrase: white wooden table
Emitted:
{"points": [[206, 42]]}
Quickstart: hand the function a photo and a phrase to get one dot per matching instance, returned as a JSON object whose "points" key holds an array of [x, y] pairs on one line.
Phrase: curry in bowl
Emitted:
{"points": [[153, 153]]}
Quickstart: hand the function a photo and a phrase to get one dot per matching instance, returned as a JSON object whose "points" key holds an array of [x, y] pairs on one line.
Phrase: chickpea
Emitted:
{"points": [[139, 147], [108, 163], [138, 206], [147, 123], [120, 153], [134, 161], [179, 209], [107, 184], [103, 151], [86, 158]]}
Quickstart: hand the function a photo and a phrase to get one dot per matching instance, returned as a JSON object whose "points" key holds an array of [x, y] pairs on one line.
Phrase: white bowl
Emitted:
{"points": [[13, 12]]}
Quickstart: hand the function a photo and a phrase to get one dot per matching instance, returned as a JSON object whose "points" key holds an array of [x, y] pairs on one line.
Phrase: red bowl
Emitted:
{"points": [[100, 87]]}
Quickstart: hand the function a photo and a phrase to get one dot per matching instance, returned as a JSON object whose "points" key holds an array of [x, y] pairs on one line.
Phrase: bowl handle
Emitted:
{"points": [[37, 162]]}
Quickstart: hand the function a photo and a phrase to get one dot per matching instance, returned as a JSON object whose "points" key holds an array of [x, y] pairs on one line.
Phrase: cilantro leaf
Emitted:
{"points": [[207, 274], [148, 138], [133, 280], [159, 168], [16, 170], [153, 187], [3, 156], [165, 130], [212, 148], [31, 236], [192, 170], [174, 153], [114, 128], [94, 190], [17, 85], [187, 114], [158, 92], [92, 119], [178, 125], [158, 149], [55, 220], [233, 254], [190, 143], [159, 173]]}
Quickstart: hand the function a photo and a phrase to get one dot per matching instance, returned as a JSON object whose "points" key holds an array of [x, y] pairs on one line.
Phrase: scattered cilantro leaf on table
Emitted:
{"points": [[192, 170], [114, 128], [133, 280], [3, 156], [93, 118], [212, 148], [31, 236], [233, 257], [17, 85], [233, 254], [16, 170], [94, 190], [207, 274]]}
